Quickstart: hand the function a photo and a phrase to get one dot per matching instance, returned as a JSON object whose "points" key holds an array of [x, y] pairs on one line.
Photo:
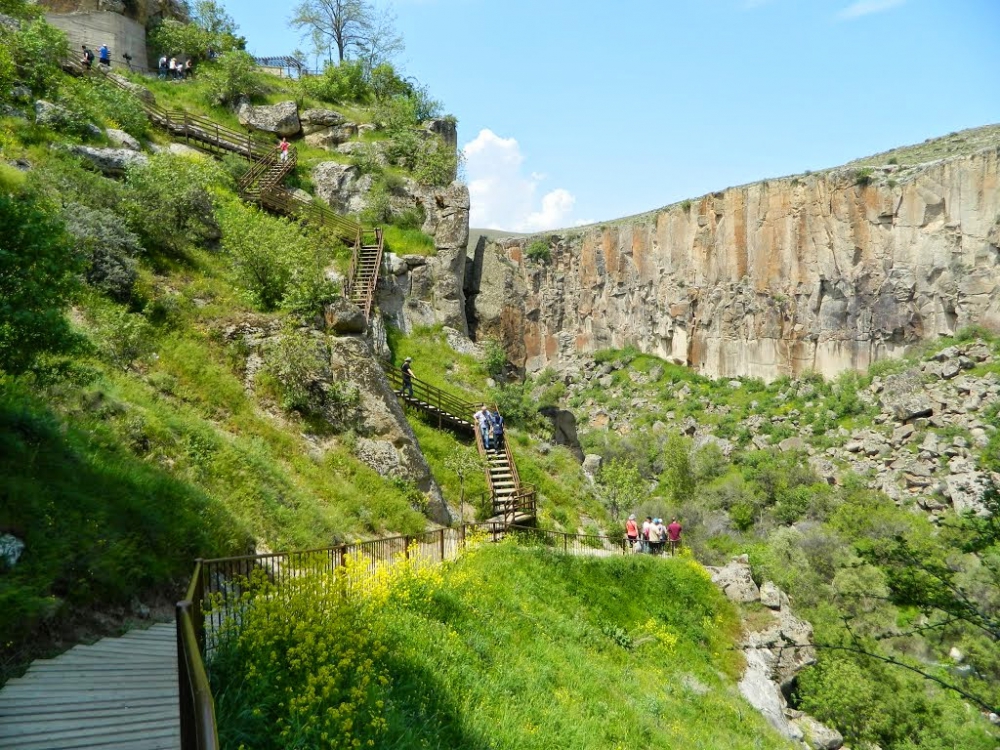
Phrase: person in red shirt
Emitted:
{"points": [[631, 532], [674, 536]]}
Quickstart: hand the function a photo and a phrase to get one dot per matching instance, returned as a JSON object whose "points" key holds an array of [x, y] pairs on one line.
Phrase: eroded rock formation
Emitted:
{"points": [[821, 272]]}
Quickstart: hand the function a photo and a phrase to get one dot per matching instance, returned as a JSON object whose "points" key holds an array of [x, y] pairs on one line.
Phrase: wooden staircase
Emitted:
{"points": [[440, 407], [262, 184], [513, 502], [116, 694]]}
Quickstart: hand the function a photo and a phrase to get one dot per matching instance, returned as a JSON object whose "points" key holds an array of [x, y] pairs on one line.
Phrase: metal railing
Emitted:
{"points": [[432, 401], [199, 730], [362, 276]]}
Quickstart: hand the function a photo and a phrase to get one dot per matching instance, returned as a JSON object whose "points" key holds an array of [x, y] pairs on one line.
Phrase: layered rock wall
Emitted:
{"points": [[820, 272]]}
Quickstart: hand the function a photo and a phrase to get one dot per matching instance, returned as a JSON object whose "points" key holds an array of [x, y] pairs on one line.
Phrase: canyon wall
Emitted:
{"points": [[820, 272]]}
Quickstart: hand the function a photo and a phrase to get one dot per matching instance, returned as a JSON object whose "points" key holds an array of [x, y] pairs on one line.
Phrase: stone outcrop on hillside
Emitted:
{"points": [[280, 119], [820, 272], [775, 654], [384, 439]]}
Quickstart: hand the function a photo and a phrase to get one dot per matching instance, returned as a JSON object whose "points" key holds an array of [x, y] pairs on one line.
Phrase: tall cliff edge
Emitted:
{"points": [[820, 272]]}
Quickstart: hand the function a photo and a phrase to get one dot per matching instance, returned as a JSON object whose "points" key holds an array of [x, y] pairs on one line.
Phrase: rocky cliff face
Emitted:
{"points": [[820, 272]]}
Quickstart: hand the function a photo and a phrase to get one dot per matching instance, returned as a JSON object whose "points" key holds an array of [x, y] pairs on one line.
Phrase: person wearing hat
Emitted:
{"points": [[407, 376], [105, 55], [631, 532]]}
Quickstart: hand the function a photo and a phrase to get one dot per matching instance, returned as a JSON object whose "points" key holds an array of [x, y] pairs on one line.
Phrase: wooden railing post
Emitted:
{"points": [[442, 544]]}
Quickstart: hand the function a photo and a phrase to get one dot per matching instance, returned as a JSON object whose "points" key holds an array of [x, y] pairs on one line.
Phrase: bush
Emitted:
{"points": [[37, 49], [38, 279], [233, 76], [863, 176], [300, 364], [495, 358], [168, 204], [107, 102], [122, 337], [343, 83], [539, 251], [108, 246]]}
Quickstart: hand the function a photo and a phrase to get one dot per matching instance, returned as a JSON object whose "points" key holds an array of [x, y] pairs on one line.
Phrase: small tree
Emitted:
{"points": [[464, 463], [354, 28], [620, 486]]}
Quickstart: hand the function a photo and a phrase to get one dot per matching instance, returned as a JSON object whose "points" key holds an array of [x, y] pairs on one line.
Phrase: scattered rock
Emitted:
{"points": [[344, 317], [122, 139], [770, 595], [818, 736], [735, 581], [110, 161], [592, 464]]}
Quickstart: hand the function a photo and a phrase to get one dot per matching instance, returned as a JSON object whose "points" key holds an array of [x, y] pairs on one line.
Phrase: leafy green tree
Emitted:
{"points": [[620, 486], [677, 471], [343, 83], [211, 28], [38, 278], [108, 246]]}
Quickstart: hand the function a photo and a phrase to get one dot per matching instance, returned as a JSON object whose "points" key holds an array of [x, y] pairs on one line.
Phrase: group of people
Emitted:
{"points": [[103, 54], [490, 427], [175, 69], [652, 537]]}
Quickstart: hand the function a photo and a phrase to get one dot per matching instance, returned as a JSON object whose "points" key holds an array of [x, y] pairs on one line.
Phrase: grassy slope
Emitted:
{"points": [[521, 648]]}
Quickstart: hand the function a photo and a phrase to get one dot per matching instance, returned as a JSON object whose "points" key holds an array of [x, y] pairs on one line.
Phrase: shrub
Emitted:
{"points": [[436, 164], [300, 364], [38, 278], [863, 176], [233, 76], [37, 49], [168, 204], [122, 337], [495, 358], [108, 102], [343, 83], [539, 251], [108, 246]]}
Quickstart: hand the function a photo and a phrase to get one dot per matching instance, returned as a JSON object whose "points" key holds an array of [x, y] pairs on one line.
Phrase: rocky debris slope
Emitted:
{"points": [[926, 428], [775, 654], [820, 272]]}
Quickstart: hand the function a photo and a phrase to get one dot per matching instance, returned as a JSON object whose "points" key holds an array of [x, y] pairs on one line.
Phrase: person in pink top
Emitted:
{"points": [[284, 148], [631, 532], [674, 535]]}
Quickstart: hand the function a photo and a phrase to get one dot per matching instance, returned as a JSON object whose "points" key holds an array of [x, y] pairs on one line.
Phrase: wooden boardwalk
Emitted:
{"points": [[117, 693]]}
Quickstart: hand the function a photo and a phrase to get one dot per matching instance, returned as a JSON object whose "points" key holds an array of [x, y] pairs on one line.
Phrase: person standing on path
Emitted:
{"points": [[674, 535], [284, 149], [88, 58], [631, 532], [496, 424], [655, 540], [645, 533], [105, 56], [406, 370]]}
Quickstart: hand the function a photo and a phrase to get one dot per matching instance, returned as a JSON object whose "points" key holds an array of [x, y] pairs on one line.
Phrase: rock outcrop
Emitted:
{"points": [[280, 119], [775, 653], [821, 272]]}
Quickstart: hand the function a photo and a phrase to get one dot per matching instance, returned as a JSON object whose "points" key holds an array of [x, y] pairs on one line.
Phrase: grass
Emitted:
{"points": [[509, 647], [408, 241]]}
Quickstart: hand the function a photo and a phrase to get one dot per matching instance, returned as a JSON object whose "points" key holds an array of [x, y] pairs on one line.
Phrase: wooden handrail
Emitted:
{"points": [[199, 730], [437, 403]]}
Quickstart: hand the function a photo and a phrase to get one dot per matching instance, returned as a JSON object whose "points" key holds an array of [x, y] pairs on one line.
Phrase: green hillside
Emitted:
{"points": [[508, 647]]}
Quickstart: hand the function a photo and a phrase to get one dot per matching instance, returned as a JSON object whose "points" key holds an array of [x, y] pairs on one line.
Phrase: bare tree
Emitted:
{"points": [[354, 28]]}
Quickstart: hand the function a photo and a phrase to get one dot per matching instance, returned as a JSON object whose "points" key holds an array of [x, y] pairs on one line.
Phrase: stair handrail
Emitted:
{"points": [[368, 292], [450, 407], [199, 729]]}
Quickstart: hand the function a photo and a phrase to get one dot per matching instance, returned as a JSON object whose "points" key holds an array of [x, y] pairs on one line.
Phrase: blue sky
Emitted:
{"points": [[573, 111]]}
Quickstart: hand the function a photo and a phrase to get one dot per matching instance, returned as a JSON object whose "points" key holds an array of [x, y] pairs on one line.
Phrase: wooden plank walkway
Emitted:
{"points": [[114, 694]]}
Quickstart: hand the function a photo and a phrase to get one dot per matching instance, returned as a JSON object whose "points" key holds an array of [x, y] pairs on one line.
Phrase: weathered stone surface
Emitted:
{"points": [[735, 581], [445, 129], [110, 161], [386, 441], [10, 550], [123, 140], [592, 464], [313, 120], [563, 429], [770, 595], [342, 186], [52, 115], [281, 118], [818, 736], [332, 137], [344, 317], [761, 693], [779, 277]]}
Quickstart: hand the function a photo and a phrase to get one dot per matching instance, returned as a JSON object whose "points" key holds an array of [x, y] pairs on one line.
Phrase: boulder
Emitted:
{"points": [[592, 464], [736, 581], [761, 693], [110, 161], [330, 138], [904, 397], [313, 120], [52, 115], [10, 550], [281, 118], [20, 93], [444, 128], [818, 736], [344, 317], [792, 444], [122, 139], [9, 22], [770, 595], [342, 186], [461, 343]]}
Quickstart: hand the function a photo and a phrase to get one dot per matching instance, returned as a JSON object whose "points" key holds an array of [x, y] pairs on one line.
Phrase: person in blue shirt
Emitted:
{"points": [[497, 425], [105, 55]]}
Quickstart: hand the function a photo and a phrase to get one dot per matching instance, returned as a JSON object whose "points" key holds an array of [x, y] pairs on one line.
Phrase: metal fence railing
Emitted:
{"points": [[439, 405]]}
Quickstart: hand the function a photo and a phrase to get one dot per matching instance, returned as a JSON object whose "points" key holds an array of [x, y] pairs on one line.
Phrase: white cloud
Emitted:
{"points": [[867, 7], [503, 197]]}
